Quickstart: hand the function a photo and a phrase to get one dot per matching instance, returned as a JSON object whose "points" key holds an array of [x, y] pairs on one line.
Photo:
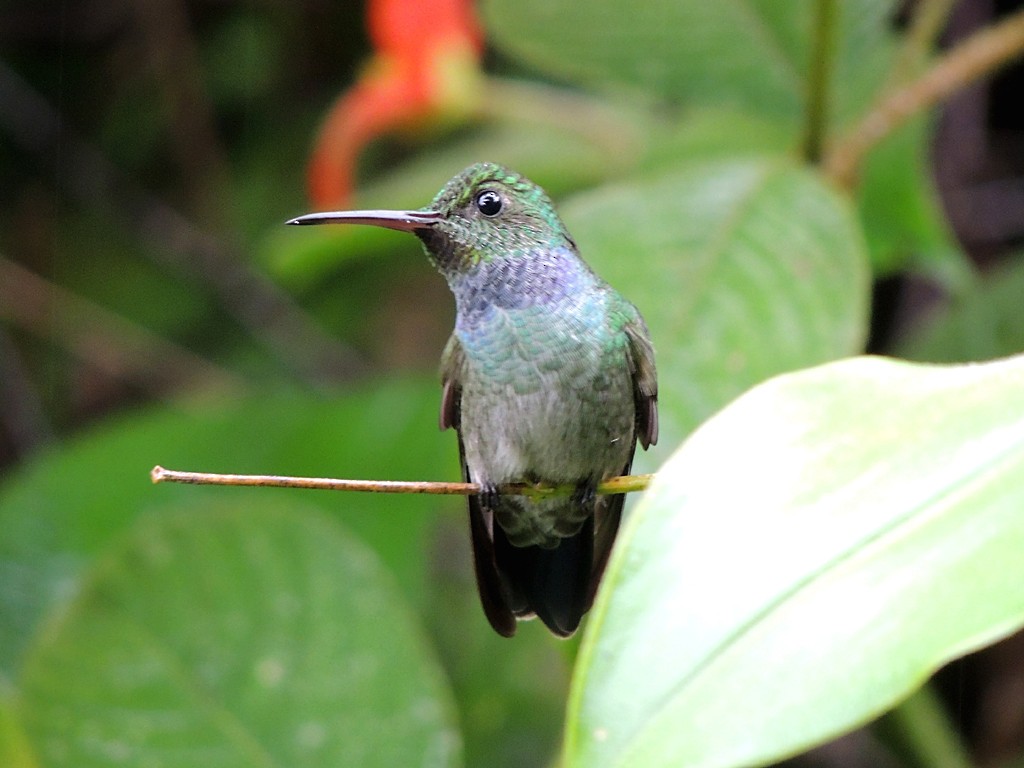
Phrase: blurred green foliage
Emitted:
{"points": [[180, 625]]}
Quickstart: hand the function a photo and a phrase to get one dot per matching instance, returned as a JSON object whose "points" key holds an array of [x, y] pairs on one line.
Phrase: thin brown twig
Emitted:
{"points": [[622, 484], [980, 54]]}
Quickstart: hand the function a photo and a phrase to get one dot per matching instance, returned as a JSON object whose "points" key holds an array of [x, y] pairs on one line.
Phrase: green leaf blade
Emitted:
{"points": [[805, 561], [678, 49], [234, 635], [748, 54], [52, 530]]}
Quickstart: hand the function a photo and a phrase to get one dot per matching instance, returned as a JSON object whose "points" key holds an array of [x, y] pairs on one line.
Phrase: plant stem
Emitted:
{"points": [[980, 54], [822, 51], [622, 484], [920, 731]]}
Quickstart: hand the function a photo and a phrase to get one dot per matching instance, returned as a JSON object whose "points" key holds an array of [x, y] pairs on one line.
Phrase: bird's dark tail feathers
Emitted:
{"points": [[558, 585], [554, 583]]}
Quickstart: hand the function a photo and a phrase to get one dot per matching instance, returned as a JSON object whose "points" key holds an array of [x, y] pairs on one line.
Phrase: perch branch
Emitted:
{"points": [[622, 484]]}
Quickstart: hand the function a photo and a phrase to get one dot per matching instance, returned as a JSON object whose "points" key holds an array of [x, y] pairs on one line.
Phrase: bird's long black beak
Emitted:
{"points": [[404, 221]]}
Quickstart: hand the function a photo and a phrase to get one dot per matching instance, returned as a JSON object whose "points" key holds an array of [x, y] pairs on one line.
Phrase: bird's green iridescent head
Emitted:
{"points": [[486, 212]]}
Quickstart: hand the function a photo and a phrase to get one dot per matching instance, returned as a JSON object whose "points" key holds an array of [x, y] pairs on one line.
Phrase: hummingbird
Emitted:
{"points": [[548, 377]]}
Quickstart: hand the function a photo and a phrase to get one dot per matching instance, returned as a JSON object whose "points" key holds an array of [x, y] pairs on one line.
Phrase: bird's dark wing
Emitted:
{"points": [[493, 595], [645, 382], [489, 583], [608, 512], [607, 515], [452, 360]]}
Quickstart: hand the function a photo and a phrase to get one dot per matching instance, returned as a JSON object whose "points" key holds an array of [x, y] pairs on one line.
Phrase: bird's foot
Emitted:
{"points": [[585, 494], [488, 495]]}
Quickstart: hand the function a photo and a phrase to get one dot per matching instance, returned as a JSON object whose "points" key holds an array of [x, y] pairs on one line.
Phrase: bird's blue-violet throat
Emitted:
{"points": [[548, 377]]}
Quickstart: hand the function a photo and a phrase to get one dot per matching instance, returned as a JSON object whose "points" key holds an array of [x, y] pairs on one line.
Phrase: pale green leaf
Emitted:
{"points": [[254, 634], [803, 562]]}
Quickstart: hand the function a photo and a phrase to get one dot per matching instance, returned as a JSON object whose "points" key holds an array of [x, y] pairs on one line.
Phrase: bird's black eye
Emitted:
{"points": [[488, 202]]}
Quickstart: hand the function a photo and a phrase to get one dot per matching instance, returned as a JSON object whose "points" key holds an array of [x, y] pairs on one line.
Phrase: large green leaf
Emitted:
{"points": [[63, 508], [60, 511], [752, 54], [743, 269], [803, 562], [254, 634], [716, 133]]}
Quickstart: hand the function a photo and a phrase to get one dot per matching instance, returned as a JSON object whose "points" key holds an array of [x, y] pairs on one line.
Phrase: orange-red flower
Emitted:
{"points": [[425, 70]]}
